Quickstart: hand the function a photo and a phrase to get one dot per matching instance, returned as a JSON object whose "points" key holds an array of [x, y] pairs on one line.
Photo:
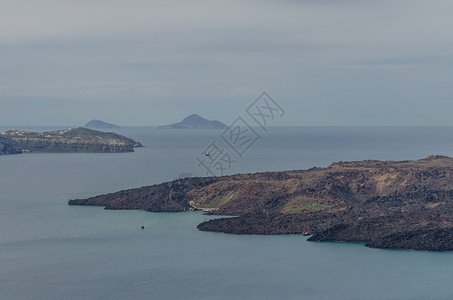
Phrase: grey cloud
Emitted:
{"points": [[346, 62]]}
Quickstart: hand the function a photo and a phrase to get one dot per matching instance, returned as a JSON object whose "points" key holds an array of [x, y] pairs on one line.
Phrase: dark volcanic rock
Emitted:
{"points": [[421, 228], [194, 122], [426, 240]]}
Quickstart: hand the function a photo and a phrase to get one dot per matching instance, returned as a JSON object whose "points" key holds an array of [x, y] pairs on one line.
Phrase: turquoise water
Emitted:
{"points": [[49, 250]]}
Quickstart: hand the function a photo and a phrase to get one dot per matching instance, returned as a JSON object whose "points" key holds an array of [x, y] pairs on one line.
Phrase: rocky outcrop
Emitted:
{"points": [[70, 140], [384, 204], [8, 146]]}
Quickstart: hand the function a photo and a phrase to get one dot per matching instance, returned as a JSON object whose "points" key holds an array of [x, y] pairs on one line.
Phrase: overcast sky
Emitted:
{"points": [[133, 62]]}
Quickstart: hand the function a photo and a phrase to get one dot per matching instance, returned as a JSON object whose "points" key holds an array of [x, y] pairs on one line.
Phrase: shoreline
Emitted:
{"points": [[385, 204]]}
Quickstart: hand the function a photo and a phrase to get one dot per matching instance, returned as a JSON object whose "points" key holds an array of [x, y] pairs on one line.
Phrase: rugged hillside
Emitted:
{"points": [[194, 122], [70, 140], [404, 204], [8, 146]]}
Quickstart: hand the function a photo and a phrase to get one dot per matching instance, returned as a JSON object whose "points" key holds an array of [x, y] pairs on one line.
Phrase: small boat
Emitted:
{"points": [[306, 233], [142, 227]]}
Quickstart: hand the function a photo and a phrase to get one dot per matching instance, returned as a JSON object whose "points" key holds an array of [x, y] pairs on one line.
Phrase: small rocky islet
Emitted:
{"points": [[194, 121], [384, 204], [98, 124], [66, 140]]}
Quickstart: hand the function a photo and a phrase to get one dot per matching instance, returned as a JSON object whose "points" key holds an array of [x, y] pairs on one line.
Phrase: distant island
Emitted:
{"points": [[194, 122], [97, 124], [385, 204], [66, 140]]}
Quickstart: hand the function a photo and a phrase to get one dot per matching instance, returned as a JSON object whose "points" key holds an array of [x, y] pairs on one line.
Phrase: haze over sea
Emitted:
{"points": [[49, 250]]}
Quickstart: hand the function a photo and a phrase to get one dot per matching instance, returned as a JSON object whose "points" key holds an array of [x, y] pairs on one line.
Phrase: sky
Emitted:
{"points": [[137, 62]]}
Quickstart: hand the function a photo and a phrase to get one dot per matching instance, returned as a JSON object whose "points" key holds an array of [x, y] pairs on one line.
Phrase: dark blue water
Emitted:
{"points": [[49, 250]]}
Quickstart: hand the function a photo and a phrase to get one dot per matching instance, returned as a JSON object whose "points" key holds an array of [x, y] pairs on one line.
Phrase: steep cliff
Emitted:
{"points": [[8, 146]]}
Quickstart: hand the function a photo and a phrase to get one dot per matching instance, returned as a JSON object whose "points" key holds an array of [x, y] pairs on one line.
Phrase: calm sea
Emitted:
{"points": [[49, 250]]}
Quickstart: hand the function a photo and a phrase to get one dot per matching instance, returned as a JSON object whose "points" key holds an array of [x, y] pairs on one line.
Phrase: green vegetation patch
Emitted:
{"points": [[301, 204], [218, 201], [217, 196]]}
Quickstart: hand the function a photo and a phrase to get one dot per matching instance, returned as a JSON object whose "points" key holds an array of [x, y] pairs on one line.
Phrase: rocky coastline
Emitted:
{"points": [[383, 204]]}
